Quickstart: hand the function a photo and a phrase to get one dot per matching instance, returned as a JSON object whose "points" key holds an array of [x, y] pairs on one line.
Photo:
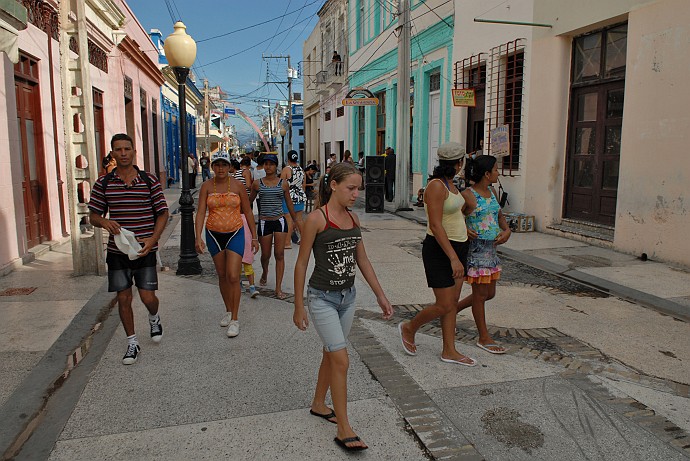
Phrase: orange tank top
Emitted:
{"points": [[223, 212]]}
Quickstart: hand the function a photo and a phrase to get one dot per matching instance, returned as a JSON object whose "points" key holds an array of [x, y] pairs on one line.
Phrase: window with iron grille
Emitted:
{"points": [[505, 88], [435, 81], [327, 116], [340, 111]]}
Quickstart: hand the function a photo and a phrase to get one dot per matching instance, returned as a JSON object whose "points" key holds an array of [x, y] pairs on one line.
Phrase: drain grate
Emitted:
{"points": [[23, 291]]}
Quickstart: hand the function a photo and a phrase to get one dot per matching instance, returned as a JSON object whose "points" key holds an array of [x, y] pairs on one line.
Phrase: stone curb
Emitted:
{"points": [[432, 428]]}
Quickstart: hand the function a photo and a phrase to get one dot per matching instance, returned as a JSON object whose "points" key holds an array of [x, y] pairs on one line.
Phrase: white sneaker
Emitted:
{"points": [[234, 328], [225, 321]]}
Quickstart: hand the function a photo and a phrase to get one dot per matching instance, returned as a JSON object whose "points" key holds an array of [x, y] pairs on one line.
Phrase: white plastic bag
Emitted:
{"points": [[127, 243]]}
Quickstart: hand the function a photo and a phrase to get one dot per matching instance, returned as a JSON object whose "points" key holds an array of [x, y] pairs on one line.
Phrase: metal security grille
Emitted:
{"points": [[504, 102], [471, 72]]}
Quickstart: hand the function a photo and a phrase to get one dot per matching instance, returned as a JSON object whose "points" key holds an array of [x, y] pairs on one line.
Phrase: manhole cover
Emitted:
{"points": [[17, 291]]}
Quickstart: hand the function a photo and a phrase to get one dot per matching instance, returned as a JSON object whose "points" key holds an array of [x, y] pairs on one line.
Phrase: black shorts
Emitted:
{"points": [[439, 273], [264, 227], [121, 271]]}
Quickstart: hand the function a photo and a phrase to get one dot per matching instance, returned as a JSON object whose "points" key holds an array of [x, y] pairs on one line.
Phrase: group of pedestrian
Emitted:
{"points": [[463, 230]]}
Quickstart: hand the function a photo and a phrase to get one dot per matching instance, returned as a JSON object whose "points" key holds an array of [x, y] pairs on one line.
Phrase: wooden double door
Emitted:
{"points": [[594, 148], [31, 155]]}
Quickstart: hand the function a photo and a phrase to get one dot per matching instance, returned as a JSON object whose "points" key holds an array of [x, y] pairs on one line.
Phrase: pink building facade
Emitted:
{"points": [[126, 84]]}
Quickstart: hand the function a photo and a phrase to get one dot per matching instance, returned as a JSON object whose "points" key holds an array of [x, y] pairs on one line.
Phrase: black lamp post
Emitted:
{"points": [[282, 144], [180, 50]]}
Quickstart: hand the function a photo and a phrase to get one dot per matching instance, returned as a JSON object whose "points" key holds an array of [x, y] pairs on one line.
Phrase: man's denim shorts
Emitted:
{"points": [[332, 313]]}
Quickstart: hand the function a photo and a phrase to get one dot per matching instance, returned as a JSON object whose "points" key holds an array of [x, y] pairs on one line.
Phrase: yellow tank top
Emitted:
{"points": [[223, 212], [453, 221]]}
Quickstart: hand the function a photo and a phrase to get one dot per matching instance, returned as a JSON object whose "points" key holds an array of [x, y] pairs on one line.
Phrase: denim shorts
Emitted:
{"points": [[332, 313]]}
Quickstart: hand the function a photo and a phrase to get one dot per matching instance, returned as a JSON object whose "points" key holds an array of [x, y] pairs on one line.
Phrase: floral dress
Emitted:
{"points": [[483, 265]]}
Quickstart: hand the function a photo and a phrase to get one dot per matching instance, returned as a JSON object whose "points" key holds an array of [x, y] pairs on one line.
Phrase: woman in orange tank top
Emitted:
{"points": [[226, 200]]}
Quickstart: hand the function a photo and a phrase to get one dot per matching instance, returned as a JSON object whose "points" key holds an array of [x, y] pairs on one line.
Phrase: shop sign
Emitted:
{"points": [[500, 141], [360, 97], [464, 97]]}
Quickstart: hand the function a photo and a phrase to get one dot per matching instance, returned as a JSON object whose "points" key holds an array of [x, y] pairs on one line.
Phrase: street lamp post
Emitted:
{"points": [[282, 143], [180, 50]]}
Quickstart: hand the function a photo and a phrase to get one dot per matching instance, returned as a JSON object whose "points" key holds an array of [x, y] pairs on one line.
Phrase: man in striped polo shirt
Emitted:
{"points": [[136, 203]]}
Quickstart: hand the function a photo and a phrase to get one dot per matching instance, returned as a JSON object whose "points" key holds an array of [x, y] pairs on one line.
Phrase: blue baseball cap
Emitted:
{"points": [[271, 158]]}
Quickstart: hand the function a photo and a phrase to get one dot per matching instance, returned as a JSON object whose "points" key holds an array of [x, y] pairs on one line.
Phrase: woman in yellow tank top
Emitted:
{"points": [[444, 253], [226, 200]]}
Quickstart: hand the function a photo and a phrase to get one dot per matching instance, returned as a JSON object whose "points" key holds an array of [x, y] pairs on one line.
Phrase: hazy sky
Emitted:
{"points": [[243, 73]]}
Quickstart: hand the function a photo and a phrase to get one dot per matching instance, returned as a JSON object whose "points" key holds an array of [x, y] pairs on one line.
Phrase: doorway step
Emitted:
{"points": [[573, 228]]}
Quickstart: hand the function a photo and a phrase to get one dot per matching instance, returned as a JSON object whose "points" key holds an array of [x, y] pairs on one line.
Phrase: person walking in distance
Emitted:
{"points": [[333, 233], [389, 178], [226, 200], [272, 228], [137, 208], [491, 228], [205, 164], [444, 253], [294, 175], [244, 176], [191, 170]]}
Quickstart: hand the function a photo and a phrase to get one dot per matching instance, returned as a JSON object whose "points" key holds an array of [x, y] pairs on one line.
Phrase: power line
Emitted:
{"points": [[251, 47], [444, 21], [279, 24], [257, 24]]}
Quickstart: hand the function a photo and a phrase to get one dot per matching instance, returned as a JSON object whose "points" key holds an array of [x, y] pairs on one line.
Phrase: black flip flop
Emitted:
{"points": [[343, 443], [326, 417]]}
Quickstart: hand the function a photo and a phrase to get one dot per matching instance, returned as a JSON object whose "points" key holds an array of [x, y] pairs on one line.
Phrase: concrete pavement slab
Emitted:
{"points": [[641, 338], [672, 407], [653, 278], [546, 419], [197, 374], [431, 373], [292, 434], [14, 367], [539, 241]]}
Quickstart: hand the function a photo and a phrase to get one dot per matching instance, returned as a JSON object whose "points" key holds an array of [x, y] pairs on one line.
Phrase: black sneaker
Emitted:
{"points": [[131, 355], [156, 331]]}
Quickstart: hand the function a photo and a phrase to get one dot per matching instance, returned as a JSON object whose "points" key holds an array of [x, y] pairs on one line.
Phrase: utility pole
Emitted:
{"points": [[289, 84], [402, 177], [207, 116], [289, 70], [270, 125]]}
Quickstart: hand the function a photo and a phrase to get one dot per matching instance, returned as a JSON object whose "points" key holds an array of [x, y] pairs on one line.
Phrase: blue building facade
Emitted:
{"points": [[171, 113], [298, 129]]}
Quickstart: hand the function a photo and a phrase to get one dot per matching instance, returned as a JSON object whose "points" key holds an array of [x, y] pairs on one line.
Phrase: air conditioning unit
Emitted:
{"points": [[321, 77]]}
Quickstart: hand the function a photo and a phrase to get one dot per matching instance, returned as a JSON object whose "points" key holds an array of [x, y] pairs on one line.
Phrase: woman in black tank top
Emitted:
{"points": [[334, 235]]}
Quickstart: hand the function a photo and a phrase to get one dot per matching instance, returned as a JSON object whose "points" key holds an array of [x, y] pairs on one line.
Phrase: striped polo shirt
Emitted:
{"points": [[131, 207]]}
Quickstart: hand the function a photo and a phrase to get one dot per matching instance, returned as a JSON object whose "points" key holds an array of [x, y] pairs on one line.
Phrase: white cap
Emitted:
{"points": [[220, 155]]}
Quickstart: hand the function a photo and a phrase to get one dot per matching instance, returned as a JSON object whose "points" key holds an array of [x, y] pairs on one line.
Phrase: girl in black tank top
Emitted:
{"points": [[334, 235]]}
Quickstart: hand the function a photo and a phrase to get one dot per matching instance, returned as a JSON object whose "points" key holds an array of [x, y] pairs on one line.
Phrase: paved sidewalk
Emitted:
{"points": [[657, 285], [201, 395]]}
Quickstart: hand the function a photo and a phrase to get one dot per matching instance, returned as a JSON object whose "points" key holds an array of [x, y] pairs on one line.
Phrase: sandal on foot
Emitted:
{"points": [[486, 347], [263, 282], [281, 295], [343, 443], [406, 343], [466, 361], [327, 417]]}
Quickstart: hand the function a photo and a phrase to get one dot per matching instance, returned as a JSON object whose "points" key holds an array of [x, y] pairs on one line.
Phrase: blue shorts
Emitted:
{"points": [[296, 206], [219, 241], [332, 313]]}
